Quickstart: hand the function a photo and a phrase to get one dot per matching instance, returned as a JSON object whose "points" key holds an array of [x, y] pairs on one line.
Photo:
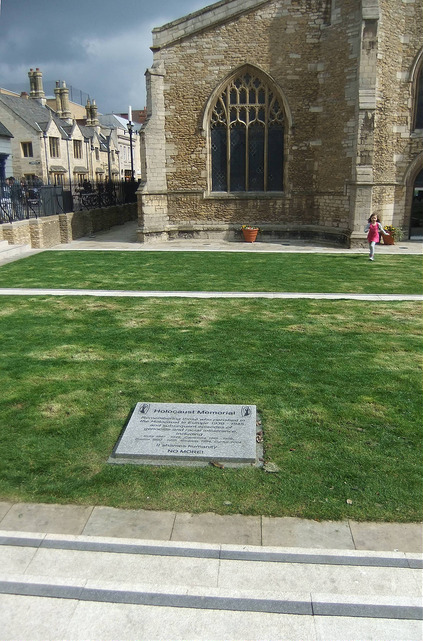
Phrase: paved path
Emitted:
{"points": [[67, 573], [124, 238], [31, 291], [210, 528]]}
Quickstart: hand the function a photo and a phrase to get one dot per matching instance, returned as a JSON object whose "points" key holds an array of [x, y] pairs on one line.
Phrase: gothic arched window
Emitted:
{"points": [[247, 136]]}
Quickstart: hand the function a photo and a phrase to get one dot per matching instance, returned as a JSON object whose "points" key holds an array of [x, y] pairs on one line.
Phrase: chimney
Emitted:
{"points": [[32, 88], [24, 95], [66, 112], [36, 85], [88, 111], [94, 117], [58, 99]]}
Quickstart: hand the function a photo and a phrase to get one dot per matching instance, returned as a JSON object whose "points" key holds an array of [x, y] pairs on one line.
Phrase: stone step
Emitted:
{"points": [[200, 598], [176, 590]]}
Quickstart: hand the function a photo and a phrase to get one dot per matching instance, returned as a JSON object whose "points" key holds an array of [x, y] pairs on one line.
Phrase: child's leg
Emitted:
{"points": [[372, 249]]}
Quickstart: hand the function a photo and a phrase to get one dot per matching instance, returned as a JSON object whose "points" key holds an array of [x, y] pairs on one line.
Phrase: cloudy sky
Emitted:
{"points": [[101, 47]]}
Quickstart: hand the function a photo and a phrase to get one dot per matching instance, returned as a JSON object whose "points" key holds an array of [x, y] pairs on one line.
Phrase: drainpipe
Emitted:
{"points": [[69, 169], [45, 150]]}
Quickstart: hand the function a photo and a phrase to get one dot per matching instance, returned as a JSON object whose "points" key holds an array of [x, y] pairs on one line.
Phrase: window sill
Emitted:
{"points": [[244, 195]]}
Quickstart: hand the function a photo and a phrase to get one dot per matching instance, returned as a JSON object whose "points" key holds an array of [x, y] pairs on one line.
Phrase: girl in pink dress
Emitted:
{"points": [[374, 228]]}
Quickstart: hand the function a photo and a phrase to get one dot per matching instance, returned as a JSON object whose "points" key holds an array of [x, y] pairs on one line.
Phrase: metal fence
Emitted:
{"points": [[20, 201]]}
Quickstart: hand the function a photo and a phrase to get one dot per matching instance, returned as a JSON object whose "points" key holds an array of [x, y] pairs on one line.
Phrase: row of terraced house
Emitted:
{"points": [[55, 141]]}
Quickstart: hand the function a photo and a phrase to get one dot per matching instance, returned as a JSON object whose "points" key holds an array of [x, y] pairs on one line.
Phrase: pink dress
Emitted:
{"points": [[373, 234]]}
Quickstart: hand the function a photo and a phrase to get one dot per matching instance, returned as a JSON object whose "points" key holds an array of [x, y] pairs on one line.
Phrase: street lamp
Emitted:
{"points": [[131, 129], [117, 154]]}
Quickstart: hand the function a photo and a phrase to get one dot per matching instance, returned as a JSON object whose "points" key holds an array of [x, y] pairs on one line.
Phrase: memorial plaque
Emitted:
{"points": [[189, 432]]}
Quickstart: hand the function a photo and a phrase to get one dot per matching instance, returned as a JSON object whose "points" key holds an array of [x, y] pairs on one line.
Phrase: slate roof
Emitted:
{"points": [[4, 132], [34, 114], [113, 121], [87, 132], [30, 111]]}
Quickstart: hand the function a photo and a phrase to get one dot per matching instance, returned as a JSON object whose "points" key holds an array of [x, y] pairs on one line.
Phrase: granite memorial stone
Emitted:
{"points": [[166, 432]]}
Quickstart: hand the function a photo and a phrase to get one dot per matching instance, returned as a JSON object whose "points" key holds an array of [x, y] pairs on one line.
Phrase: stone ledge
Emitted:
{"points": [[332, 236]]}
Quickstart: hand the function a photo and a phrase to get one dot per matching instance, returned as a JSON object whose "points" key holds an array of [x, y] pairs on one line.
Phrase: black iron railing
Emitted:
{"points": [[22, 201]]}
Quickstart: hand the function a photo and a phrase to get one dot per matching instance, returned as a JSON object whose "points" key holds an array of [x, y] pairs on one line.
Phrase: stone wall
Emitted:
{"points": [[41, 233], [397, 146], [343, 71]]}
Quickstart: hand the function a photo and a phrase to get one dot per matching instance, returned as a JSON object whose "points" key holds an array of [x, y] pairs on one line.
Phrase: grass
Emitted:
{"points": [[337, 385], [217, 271]]}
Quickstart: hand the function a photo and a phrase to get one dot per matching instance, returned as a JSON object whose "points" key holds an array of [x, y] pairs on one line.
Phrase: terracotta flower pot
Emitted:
{"points": [[250, 235], [388, 240]]}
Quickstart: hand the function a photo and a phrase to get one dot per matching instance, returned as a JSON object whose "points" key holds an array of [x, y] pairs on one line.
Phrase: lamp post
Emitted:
{"points": [[118, 159], [131, 129], [109, 166]]}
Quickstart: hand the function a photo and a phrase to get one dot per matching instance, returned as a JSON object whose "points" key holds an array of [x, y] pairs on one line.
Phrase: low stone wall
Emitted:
{"points": [[215, 230], [49, 231]]}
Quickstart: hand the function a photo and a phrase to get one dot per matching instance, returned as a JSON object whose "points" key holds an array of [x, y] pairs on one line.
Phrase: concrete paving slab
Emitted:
{"points": [[414, 560], [4, 508], [195, 598], [294, 532], [358, 629], [141, 524], [407, 537], [15, 560], [318, 556], [215, 528], [130, 568], [285, 577], [152, 547], [35, 618], [34, 517], [374, 606], [108, 622]]}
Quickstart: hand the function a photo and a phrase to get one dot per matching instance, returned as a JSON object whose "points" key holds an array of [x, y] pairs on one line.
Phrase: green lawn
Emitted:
{"points": [[337, 385], [217, 271]]}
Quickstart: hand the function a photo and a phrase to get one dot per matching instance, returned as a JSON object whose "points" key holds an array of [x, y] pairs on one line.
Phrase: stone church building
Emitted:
{"points": [[303, 117]]}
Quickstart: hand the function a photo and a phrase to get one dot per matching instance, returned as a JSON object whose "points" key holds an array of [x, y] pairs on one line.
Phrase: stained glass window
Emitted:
{"points": [[247, 136]]}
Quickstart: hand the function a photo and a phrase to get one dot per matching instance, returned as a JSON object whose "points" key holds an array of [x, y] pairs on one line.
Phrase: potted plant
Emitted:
{"points": [[394, 234], [250, 232]]}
